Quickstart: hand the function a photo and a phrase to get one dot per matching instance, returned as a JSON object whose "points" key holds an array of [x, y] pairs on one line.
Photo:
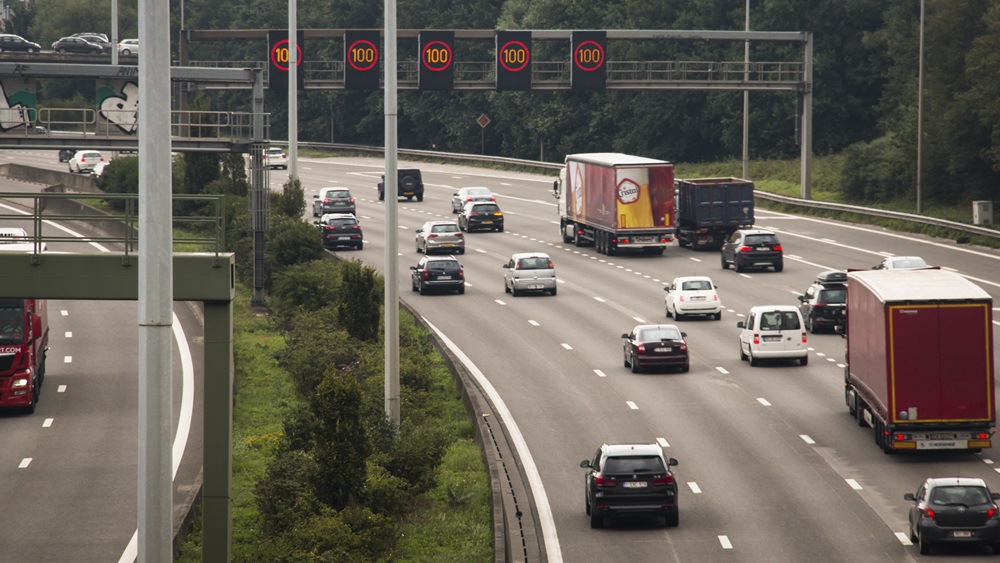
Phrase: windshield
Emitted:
{"points": [[779, 320], [11, 322]]}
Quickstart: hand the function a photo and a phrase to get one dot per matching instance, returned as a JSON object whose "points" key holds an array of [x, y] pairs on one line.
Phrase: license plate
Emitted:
{"points": [[698, 298], [961, 534], [643, 239], [534, 286], [663, 349], [772, 339], [634, 484], [448, 244], [941, 436], [942, 444], [487, 222], [764, 248], [444, 277], [343, 238]]}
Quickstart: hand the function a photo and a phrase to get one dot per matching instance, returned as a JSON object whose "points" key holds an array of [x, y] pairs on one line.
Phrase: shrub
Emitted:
{"points": [[284, 495]]}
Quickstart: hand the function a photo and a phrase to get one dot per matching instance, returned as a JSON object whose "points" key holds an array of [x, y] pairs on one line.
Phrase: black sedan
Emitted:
{"points": [[76, 45], [442, 272], [954, 510], [650, 346], [341, 229]]}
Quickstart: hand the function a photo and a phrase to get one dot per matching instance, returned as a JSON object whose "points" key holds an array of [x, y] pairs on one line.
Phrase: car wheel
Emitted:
{"points": [[506, 288], [925, 547], [913, 536], [686, 367], [381, 195], [596, 520], [743, 355], [667, 311], [635, 365], [625, 359], [461, 290], [717, 316], [513, 291], [126, 52], [586, 505], [422, 289], [753, 360], [677, 315], [672, 520], [553, 291], [804, 360], [461, 251], [725, 265], [500, 229], [737, 265], [461, 227], [413, 287], [779, 267], [996, 548]]}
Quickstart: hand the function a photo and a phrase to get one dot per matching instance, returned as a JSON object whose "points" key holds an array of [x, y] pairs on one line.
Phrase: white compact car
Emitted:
{"points": [[275, 157], [16, 239], [84, 161], [773, 332], [692, 295]]}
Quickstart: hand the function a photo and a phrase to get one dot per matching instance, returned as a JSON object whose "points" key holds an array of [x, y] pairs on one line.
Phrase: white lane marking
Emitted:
{"points": [[183, 422], [854, 484], [662, 442], [58, 226], [763, 401], [841, 365], [807, 439], [694, 487], [47, 423], [533, 323], [903, 538], [722, 370], [820, 354], [600, 300], [794, 257], [499, 302], [61, 389], [831, 360], [694, 259], [64, 313], [599, 373], [481, 251], [827, 240], [24, 463], [69, 334], [68, 360], [549, 534], [632, 405], [747, 276], [997, 469], [639, 320], [726, 544], [988, 461], [567, 346]]}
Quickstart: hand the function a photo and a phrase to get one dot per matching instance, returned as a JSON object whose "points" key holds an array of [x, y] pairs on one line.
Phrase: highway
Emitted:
{"points": [[772, 466]]}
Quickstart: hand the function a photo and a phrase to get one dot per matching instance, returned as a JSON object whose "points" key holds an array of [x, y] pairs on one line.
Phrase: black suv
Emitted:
{"points": [[410, 185], [752, 248], [440, 272], [823, 304], [341, 229], [630, 479]]}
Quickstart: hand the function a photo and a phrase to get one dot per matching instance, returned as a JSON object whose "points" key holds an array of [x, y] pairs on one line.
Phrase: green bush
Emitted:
{"points": [[342, 446], [360, 304], [284, 496], [291, 202], [307, 286], [386, 493], [875, 171], [120, 176]]}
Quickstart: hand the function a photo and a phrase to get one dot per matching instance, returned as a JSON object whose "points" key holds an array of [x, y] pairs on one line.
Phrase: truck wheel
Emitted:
{"points": [[612, 250], [859, 410], [565, 238], [577, 241], [681, 242]]}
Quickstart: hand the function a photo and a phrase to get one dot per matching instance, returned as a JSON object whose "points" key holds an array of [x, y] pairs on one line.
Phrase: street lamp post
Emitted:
{"points": [[746, 98], [920, 110]]}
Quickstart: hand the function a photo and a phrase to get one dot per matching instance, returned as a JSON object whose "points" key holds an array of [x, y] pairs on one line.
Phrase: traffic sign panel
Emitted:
{"points": [[278, 57], [513, 60], [361, 60], [437, 60], [589, 60]]}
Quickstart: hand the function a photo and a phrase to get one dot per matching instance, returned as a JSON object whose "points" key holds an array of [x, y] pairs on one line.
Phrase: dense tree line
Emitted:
{"points": [[865, 104]]}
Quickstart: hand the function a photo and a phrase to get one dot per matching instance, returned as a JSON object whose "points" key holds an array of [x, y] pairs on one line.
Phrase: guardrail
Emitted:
{"points": [[551, 166]]}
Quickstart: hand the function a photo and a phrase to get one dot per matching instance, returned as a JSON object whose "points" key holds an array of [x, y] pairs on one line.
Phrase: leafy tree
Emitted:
{"points": [[341, 440], [120, 176], [291, 202], [360, 300]]}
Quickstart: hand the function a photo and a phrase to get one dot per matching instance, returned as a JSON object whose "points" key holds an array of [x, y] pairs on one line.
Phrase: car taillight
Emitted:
{"points": [[328, 227], [803, 337], [715, 298], [663, 480], [982, 436], [352, 200], [623, 241], [458, 235], [468, 199], [327, 200], [358, 228], [551, 266], [473, 214], [432, 235], [746, 249], [461, 273], [602, 481], [425, 274], [756, 339], [819, 306], [641, 349], [777, 248], [928, 513], [683, 347], [992, 513], [493, 199]]}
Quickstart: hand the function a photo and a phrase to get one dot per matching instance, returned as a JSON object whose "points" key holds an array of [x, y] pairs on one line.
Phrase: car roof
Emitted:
{"points": [[692, 278], [87, 151], [519, 255], [470, 188], [756, 232], [619, 450], [440, 257], [474, 203], [831, 277], [327, 216], [637, 328], [433, 223], [956, 481], [334, 189], [13, 232], [765, 308], [894, 258]]}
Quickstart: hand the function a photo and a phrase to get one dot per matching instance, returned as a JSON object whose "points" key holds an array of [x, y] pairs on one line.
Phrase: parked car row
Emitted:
{"points": [[90, 43]]}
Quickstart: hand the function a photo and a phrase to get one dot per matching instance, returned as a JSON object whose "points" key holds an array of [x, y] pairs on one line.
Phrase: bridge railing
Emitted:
{"points": [[184, 124]]}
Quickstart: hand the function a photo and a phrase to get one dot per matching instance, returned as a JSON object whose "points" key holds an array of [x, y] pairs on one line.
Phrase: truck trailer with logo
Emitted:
{"points": [[616, 202], [920, 359], [24, 340]]}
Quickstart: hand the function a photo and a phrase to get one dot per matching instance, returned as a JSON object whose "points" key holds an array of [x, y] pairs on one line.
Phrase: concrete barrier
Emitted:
{"points": [[74, 182]]}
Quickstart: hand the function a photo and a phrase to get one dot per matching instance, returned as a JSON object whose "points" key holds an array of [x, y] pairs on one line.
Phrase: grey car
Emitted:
{"points": [[529, 271], [465, 195], [440, 236], [954, 510], [333, 200]]}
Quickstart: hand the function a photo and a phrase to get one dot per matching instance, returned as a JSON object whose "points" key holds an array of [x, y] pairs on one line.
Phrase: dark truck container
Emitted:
{"points": [[710, 210], [920, 359], [616, 202]]}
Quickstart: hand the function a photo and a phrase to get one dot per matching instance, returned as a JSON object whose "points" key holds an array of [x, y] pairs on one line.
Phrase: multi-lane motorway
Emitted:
{"points": [[772, 467]]}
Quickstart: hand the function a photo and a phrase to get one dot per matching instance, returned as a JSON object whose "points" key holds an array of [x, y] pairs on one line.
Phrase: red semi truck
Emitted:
{"points": [[616, 202], [24, 340], [920, 359]]}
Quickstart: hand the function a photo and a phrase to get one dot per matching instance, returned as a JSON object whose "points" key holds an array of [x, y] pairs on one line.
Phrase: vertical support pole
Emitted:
{"points": [[807, 117], [746, 97], [217, 489], [156, 290], [259, 201], [293, 90], [920, 114], [391, 222]]}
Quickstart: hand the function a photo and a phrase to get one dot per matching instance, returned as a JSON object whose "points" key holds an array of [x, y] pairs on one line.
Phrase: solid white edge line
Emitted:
{"points": [[549, 535], [183, 422]]}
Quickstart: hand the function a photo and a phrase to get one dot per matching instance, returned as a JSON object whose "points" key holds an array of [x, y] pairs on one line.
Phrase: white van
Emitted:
{"points": [[773, 331]]}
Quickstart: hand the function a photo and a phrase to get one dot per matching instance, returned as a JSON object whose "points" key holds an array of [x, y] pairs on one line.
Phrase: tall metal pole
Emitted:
{"points": [[114, 31], [920, 112], [156, 291], [746, 98], [293, 90], [391, 223]]}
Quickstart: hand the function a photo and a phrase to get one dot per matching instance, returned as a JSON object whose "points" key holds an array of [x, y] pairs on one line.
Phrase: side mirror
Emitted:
{"points": [[625, 336], [672, 462], [413, 268], [317, 223], [315, 196], [667, 289], [909, 496], [741, 324], [802, 298], [419, 231], [995, 496], [585, 463], [684, 334]]}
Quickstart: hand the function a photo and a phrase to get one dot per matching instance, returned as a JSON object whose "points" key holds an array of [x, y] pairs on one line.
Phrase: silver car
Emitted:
{"points": [[465, 195], [529, 271], [440, 236]]}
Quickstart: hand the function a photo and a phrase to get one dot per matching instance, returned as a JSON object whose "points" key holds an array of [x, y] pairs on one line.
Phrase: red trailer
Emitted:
{"points": [[24, 341], [920, 359]]}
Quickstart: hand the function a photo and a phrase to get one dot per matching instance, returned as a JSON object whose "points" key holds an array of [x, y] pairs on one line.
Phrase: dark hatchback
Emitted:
{"points": [[823, 304], [650, 346], [630, 479], [481, 217], [76, 45], [954, 510], [341, 229], [442, 272], [752, 248]]}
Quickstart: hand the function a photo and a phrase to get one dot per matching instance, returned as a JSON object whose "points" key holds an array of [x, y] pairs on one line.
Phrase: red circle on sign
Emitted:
{"points": [[436, 66], [284, 64], [589, 66], [361, 43], [514, 46]]}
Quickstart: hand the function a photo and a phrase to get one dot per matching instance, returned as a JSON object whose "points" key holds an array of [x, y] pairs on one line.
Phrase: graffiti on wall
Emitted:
{"points": [[118, 107]]}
